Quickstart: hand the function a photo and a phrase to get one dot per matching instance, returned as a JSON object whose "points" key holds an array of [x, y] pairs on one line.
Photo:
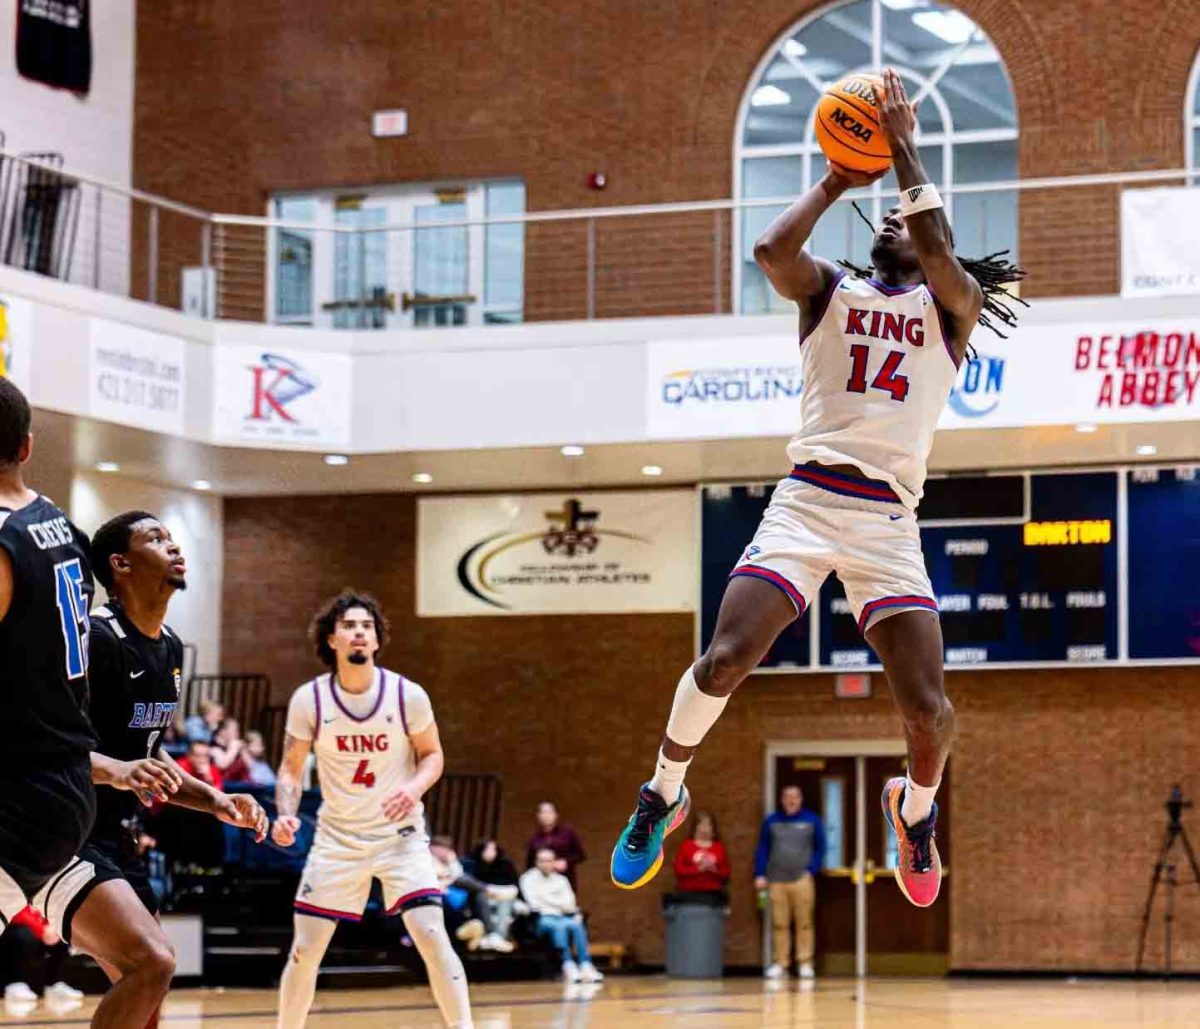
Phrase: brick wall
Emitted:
{"points": [[236, 100], [1058, 782]]}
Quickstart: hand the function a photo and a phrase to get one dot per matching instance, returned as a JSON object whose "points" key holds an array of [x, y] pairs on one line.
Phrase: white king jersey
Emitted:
{"points": [[877, 368], [362, 760]]}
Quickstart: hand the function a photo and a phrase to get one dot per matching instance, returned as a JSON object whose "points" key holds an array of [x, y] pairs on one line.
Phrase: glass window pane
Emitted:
{"points": [[293, 260], [359, 267], [838, 42], [833, 813], [985, 162], [780, 105], [772, 177], [757, 295], [504, 255], [440, 257], [979, 97], [985, 222], [1196, 146]]}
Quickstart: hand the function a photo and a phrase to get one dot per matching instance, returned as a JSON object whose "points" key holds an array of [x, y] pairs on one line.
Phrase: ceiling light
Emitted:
{"points": [[794, 48], [769, 96], [904, 5], [107, 466], [952, 26], [336, 459], [202, 484], [651, 469], [1086, 427], [422, 477], [572, 450], [1146, 450]]}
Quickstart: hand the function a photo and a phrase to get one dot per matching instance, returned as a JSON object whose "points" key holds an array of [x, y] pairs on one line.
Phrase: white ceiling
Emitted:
{"points": [[170, 461]]}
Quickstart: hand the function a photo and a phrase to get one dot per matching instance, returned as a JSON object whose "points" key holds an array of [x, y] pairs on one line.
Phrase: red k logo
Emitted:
{"points": [[278, 381]]}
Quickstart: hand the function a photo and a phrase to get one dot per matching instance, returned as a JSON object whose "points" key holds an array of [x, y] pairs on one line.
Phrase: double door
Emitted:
{"points": [[864, 925], [357, 270]]}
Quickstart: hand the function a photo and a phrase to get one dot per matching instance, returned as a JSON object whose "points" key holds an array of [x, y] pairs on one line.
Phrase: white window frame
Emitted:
{"points": [[929, 91]]}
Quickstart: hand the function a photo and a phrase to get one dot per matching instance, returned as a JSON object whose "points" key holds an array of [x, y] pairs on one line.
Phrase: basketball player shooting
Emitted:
{"points": [[378, 753], [879, 356]]}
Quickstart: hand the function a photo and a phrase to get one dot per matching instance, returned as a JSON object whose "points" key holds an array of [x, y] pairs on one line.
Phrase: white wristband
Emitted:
{"points": [[916, 199]]}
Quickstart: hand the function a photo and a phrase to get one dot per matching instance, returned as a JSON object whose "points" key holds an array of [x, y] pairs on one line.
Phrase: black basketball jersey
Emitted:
{"points": [[134, 685], [44, 637]]}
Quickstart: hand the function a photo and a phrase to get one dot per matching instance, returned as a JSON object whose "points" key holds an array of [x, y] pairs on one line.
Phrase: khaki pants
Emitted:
{"points": [[792, 902]]}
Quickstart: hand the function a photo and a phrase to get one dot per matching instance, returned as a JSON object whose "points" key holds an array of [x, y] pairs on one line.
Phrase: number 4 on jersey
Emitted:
{"points": [[362, 777], [885, 379]]}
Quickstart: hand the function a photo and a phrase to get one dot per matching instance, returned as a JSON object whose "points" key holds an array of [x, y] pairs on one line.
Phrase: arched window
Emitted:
{"points": [[967, 127], [1191, 124]]}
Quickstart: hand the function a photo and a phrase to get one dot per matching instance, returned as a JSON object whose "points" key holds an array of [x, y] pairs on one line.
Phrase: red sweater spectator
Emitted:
{"points": [[550, 834], [198, 762], [702, 866]]}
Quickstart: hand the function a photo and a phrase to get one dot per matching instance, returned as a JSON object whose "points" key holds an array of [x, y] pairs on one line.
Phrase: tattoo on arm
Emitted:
{"points": [[291, 768]]}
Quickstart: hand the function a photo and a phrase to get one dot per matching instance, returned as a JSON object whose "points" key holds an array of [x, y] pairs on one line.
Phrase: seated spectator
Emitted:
{"points": [[32, 957], [468, 914], [548, 892], [702, 866], [228, 751], [198, 762], [258, 770], [562, 839], [203, 725], [490, 865]]}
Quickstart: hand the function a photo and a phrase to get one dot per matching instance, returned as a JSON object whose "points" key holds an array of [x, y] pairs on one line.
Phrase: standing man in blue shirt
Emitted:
{"points": [[791, 852]]}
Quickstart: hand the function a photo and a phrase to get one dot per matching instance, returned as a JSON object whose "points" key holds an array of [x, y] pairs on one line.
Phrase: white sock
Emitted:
{"points": [[668, 777], [918, 802], [447, 977], [299, 981], [693, 713]]}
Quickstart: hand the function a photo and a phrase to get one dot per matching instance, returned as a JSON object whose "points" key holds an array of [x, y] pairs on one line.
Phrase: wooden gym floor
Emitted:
{"points": [[653, 1001]]}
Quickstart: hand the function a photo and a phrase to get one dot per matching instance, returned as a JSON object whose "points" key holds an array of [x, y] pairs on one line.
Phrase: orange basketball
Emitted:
{"points": [[848, 125]]}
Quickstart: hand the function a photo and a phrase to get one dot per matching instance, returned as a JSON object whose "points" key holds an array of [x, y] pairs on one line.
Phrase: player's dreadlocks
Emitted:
{"points": [[992, 273]]}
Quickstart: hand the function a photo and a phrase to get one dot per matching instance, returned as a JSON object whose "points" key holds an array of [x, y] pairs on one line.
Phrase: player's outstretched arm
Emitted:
{"points": [[954, 288], [430, 763], [150, 778], [288, 790], [236, 809], [779, 252]]}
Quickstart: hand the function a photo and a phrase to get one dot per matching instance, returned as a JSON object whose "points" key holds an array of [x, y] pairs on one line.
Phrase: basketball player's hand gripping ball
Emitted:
{"points": [[897, 116]]}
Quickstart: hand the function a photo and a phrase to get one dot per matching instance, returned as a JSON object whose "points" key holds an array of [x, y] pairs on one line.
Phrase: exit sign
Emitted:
{"points": [[389, 123]]}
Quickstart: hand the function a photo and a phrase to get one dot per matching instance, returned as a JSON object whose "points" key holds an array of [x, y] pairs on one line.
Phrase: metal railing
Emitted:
{"points": [[640, 260]]}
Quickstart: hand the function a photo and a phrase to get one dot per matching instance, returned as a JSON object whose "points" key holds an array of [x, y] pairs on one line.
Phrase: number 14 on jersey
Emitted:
{"points": [[887, 379]]}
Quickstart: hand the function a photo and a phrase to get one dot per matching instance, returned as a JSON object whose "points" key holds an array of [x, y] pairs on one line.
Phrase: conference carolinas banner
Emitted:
{"points": [[557, 553], [1049, 373]]}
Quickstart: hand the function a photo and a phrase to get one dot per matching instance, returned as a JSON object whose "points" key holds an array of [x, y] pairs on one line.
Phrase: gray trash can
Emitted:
{"points": [[695, 934]]}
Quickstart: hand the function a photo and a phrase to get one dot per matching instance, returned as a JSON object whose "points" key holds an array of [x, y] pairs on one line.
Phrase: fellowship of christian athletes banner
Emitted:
{"points": [[1160, 247], [557, 553], [54, 43]]}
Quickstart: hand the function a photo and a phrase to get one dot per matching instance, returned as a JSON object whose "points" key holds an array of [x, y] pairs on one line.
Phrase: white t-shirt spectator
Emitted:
{"points": [[548, 894]]}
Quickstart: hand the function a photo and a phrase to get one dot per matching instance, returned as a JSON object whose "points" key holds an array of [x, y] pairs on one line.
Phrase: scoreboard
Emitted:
{"points": [[1085, 567]]}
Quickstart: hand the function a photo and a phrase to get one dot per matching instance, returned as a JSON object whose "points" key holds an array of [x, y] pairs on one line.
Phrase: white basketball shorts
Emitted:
{"points": [[819, 522], [337, 876]]}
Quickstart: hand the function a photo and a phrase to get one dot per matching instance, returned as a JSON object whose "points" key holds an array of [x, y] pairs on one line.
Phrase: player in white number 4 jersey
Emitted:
{"points": [[378, 752], [879, 357]]}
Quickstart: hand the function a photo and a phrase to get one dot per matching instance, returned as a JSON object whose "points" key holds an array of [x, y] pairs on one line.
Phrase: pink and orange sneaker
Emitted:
{"points": [[919, 870]]}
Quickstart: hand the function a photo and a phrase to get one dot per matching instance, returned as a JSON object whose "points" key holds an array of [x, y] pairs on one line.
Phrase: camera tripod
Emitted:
{"points": [[1167, 872]]}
